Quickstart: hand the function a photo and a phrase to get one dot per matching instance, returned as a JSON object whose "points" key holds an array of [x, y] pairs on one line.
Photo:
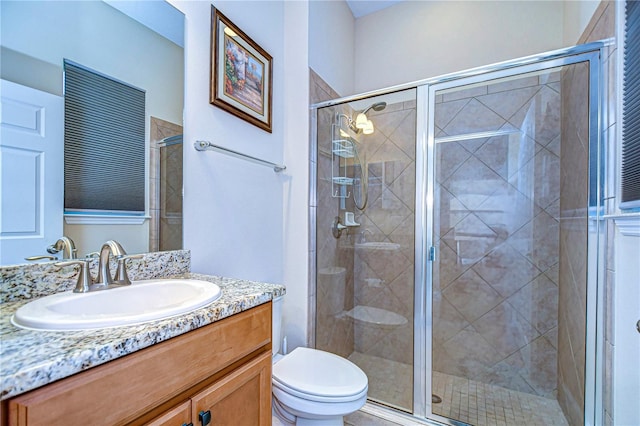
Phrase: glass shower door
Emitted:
{"points": [[365, 273], [170, 226], [511, 190]]}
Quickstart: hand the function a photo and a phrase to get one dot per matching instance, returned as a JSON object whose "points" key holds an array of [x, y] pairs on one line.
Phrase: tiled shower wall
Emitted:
{"points": [[171, 197], [495, 298], [334, 268], [159, 130], [348, 274], [574, 235]]}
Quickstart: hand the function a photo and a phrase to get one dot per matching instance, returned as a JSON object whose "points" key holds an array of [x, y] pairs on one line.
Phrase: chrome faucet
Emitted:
{"points": [[103, 279], [66, 245], [114, 248]]}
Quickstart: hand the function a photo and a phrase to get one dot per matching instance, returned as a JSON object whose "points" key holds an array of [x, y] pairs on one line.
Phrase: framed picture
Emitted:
{"points": [[241, 80]]}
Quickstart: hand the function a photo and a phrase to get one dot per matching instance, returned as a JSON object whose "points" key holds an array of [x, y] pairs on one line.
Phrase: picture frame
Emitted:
{"points": [[241, 73]]}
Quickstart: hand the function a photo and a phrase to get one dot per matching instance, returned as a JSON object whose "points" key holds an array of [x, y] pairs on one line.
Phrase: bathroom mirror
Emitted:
{"points": [[139, 43]]}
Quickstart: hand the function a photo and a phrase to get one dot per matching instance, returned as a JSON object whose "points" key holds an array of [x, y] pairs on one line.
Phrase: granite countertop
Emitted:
{"points": [[30, 359]]}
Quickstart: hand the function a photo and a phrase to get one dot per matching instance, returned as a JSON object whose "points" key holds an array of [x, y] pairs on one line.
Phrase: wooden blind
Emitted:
{"points": [[631, 108], [104, 146]]}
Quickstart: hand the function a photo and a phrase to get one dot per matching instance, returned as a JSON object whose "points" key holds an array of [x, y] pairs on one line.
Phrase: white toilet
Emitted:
{"points": [[312, 387]]}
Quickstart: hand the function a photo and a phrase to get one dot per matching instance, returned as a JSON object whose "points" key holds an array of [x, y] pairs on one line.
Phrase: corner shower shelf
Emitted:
{"points": [[343, 148], [343, 180]]}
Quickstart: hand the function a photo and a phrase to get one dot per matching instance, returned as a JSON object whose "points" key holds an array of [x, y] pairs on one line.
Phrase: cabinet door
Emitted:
{"points": [[178, 415], [243, 397]]}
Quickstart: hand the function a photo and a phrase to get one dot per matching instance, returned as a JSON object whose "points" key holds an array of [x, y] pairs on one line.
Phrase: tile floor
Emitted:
{"points": [[464, 400], [360, 418], [483, 404], [397, 393]]}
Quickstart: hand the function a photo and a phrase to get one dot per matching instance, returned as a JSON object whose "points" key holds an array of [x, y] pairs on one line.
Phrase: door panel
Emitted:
{"points": [[509, 292], [31, 171], [241, 398]]}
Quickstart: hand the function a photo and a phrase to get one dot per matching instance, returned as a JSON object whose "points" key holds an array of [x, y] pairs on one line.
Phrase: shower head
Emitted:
{"points": [[378, 106]]}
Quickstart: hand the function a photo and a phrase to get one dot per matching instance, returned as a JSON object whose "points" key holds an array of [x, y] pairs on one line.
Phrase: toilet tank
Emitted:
{"points": [[276, 324]]}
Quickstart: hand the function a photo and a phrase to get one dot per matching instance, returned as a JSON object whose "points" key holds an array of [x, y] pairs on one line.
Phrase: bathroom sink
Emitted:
{"points": [[378, 245], [141, 302]]}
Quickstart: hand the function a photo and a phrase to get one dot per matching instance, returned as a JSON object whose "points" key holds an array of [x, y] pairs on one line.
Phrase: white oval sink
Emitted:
{"points": [[141, 302]]}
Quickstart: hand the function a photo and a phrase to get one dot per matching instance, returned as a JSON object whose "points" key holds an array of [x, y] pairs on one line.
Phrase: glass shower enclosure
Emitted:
{"points": [[365, 240], [457, 239]]}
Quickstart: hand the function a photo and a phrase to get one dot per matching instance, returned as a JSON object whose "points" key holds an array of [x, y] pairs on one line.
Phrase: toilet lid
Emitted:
{"points": [[318, 373]]}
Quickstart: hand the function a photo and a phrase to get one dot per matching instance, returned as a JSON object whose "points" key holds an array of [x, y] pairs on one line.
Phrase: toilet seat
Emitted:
{"points": [[319, 376]]}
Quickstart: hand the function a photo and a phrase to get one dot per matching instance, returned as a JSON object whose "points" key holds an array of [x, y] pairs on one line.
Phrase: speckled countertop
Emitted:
{"points": [[30, 359]]}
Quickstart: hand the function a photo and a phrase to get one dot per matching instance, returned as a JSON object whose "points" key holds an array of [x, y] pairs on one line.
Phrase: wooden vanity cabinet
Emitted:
{"points": [[223, 368], [240, 398], [176, 416]]}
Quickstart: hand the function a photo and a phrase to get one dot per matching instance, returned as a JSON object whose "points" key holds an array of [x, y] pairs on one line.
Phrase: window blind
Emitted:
{"points": [[104, 146], [631, 109]]}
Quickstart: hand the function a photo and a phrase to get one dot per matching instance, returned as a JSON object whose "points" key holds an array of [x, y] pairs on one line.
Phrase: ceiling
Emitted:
{"points": [[361, 8]]}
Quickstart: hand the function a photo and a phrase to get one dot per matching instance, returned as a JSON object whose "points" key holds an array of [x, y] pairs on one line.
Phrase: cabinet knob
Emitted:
{"points": [[205, 417]]}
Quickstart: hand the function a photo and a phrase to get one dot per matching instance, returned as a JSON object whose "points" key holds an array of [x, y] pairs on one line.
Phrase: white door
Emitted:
{"points": [[626, 322], [31, 171]]}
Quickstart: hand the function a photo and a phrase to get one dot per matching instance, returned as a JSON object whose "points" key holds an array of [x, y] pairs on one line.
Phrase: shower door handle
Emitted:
{"points": [[432, 254]]}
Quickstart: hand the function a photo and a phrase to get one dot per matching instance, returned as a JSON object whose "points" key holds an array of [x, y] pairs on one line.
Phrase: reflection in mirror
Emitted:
{"points": [[36, 38]]}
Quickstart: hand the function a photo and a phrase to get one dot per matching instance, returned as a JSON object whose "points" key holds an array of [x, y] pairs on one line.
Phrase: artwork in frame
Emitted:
{"points": [[241, 80]]}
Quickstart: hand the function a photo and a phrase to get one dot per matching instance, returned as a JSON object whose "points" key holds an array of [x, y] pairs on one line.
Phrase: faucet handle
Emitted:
{"points": [[66, 245], [44, 257], [121, 272], [84, 277]]}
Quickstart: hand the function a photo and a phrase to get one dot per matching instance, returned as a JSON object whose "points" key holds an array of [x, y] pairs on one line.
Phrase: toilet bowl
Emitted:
{"points": [[313, 387]]}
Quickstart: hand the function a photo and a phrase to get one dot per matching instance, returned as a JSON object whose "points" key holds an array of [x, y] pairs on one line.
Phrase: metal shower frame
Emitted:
{"points": [[593, 54]]}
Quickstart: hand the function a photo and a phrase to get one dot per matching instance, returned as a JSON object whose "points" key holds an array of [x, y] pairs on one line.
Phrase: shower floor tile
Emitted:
{"points": [[465, 400], [390, 382], [479, 404]]}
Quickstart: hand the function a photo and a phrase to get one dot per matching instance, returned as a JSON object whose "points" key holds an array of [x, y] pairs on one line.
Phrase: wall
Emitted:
{"points": [[297, 319], [243, 220], [232, 208], [577, 15], [37, 36], [331, 44], [416, 40]]}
